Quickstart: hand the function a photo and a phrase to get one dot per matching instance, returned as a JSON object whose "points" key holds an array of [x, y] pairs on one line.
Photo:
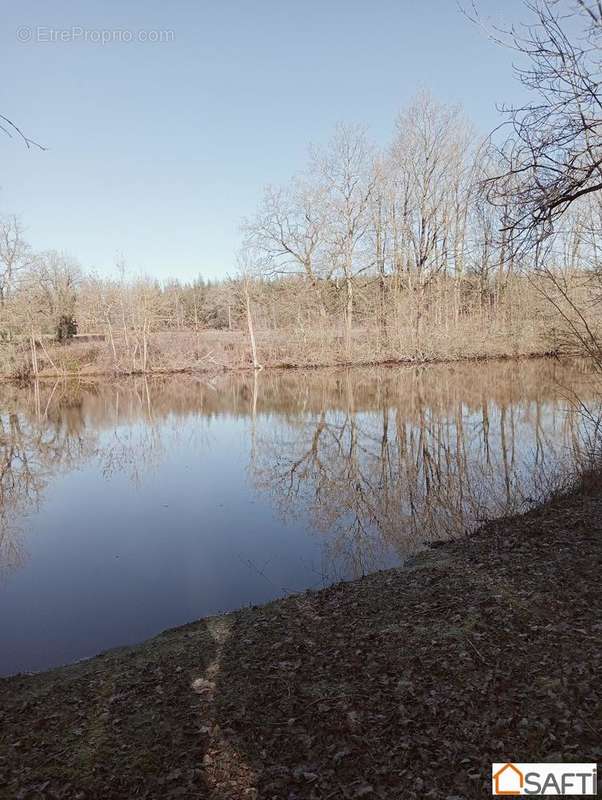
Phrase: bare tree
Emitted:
{"points": [[344, 169], [287, 229], [247, 273], [432, 178], [551, 159], [10, 129], [51, 292], [15, 255], [552, 154]]}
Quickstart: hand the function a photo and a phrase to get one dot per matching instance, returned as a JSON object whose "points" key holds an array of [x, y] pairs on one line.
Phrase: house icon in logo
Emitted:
{"points": [[508, 780]]}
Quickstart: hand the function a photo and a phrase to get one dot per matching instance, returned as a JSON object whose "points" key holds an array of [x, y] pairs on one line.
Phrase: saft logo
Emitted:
{"points": [[540, 779]]}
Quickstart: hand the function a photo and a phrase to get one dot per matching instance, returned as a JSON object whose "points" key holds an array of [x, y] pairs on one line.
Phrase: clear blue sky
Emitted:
{"points": [[157, 150]]}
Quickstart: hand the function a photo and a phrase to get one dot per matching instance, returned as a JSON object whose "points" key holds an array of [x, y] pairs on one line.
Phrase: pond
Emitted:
{"points": [[128, 506]]}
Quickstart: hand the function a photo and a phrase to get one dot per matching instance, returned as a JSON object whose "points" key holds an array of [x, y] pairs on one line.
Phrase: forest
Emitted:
{"points": [[368, 255]]}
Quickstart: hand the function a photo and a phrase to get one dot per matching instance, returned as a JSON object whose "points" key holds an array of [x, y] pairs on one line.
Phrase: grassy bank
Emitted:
{"points": [[406, 684], [217, 351]]}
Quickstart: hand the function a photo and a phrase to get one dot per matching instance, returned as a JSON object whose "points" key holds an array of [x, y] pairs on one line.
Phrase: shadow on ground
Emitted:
{"points": [[123, 725], [409, 685]]}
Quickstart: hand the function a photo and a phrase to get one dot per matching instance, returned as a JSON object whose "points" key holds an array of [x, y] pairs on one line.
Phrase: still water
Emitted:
{"points": [[131, 506]]}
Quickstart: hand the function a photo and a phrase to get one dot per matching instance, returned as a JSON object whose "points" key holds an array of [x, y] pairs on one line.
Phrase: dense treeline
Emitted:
{"points": [[367, 255]]}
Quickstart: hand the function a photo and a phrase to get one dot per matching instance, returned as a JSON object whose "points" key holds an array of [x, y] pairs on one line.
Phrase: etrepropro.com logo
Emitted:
{"points": [[520, 780]]}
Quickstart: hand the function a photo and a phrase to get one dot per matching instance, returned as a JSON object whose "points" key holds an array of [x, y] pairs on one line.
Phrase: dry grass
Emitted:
{"points": [[214, 351]]}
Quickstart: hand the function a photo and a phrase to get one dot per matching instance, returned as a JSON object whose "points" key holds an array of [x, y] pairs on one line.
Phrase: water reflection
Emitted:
{"points": [[424, 454], [266, 483], [33, 447]]}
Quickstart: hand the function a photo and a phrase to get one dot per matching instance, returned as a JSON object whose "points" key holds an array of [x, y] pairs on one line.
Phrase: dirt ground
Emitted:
{"points": [[406, 684]]}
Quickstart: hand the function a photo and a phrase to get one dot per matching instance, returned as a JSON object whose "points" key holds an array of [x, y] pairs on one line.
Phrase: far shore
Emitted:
{"points": [[214, 369], [407, 683]]}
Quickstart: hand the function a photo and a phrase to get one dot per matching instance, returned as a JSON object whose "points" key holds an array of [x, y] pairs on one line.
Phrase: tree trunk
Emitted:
{"points": [[34, 354], [348, 316], [256, 364]]}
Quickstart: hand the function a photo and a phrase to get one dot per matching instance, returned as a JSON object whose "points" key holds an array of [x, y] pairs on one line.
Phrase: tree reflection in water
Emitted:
{"points": [[432, 454], [381, 460]]}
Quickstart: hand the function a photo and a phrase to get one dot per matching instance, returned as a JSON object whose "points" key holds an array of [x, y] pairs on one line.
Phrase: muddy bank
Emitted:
{"points": [[406, 684]]}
